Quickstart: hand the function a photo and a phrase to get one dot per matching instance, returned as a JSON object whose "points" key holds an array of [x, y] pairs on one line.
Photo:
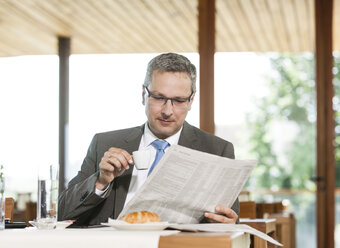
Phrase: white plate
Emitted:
{"points": [[152, 226], [46, 224], [57, 225], [63, 224]]}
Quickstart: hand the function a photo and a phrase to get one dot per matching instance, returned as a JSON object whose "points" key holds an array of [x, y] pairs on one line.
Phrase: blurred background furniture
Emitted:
{"points": [[9, 208], [248, 209], [267, 226], [285, 229], [257, 216], [31, 211]]}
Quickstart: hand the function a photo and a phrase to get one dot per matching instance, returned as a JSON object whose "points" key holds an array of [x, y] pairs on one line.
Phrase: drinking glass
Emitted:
{"points": [[48, 184]]}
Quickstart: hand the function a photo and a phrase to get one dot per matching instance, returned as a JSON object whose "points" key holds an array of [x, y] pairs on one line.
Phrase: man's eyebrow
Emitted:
{"points": [[175, 97], [156, 93]]}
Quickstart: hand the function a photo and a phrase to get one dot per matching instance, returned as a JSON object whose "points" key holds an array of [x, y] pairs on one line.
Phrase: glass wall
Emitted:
{"points": [[29, 119], [336, 106], [265, 105]]}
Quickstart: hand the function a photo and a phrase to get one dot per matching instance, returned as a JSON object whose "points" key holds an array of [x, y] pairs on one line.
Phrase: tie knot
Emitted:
{"points": [[160, 144]]}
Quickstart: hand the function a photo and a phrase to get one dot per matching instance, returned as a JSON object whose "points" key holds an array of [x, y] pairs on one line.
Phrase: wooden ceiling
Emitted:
{"points": [[146, 26]]}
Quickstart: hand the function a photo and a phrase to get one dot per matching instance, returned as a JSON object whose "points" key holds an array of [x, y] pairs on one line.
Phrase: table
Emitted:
{"points": [[202, 240], [267, 226], [92, 238]]}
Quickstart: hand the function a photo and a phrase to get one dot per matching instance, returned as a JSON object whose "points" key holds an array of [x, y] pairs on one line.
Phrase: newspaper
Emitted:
{"points": [[186, 183], [224, 228]]}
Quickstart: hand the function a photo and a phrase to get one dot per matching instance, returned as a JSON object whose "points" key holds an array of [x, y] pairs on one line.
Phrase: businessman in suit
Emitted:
{"points": [[108, 180]]}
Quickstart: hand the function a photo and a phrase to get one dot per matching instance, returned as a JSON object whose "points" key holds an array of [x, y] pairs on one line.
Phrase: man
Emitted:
{"points": [[108, 179]]}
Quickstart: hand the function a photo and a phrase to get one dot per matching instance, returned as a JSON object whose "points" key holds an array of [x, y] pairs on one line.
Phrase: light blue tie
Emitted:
{"points": [[160, 145]]}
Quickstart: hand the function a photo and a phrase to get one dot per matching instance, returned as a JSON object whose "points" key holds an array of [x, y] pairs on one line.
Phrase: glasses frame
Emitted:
{"points": [[172, 99]]}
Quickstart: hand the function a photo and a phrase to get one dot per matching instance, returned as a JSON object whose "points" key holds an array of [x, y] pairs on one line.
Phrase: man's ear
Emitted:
{"points": [[143, 95]]}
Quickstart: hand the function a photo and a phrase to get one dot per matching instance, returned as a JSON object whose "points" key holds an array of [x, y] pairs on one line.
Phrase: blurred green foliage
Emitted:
{"points": [[291, 101], [336, 106]]}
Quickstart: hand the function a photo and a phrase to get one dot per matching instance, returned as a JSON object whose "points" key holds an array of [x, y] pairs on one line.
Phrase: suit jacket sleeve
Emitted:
{"points": [[79, 199], [229, 153]]}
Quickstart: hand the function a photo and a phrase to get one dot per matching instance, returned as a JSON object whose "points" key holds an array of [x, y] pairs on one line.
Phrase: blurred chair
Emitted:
{"points": [[278, 207], [285, 222], [248, 209], [285, 229], [9, 208], [267, 226], [264, 209], [31, 211]]}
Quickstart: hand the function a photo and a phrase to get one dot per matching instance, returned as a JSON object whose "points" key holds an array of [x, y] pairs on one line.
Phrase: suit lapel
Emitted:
{"points": [[122, 183], [188, 137]]}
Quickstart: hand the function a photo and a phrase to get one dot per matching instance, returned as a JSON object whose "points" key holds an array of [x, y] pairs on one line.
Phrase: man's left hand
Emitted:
{"points": [[223, 215]]}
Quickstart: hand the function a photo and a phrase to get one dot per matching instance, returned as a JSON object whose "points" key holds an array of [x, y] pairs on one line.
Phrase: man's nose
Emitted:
{"points": [[167, 108]]}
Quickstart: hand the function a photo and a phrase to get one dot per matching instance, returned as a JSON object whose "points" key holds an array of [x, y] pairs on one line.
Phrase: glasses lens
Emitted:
{"points": [[158, 100], [179, 102]]}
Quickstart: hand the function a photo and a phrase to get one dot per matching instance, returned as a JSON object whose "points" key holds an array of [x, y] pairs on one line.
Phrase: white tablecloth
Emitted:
{"points": [[84, 238]]}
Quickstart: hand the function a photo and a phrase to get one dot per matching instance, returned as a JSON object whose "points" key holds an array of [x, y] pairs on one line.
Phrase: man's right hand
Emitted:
{"points": [[114, 162]]}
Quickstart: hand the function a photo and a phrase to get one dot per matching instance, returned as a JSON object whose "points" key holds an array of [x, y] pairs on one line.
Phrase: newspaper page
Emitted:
{"points": [[224, 228], [186, 183]]}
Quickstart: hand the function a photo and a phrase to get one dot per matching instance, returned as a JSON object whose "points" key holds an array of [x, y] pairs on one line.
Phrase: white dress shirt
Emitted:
{"points": [[139, 176]]}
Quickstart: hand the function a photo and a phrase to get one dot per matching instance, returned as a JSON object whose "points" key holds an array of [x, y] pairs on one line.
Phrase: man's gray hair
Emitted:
{"points": [[171, 62]]}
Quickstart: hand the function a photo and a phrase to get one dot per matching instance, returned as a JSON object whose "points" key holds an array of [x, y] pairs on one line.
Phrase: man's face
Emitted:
{"points": [[166, 119]]}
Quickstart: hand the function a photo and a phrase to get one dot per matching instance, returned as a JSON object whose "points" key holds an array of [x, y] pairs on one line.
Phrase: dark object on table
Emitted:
{"points": [[9, 224]]}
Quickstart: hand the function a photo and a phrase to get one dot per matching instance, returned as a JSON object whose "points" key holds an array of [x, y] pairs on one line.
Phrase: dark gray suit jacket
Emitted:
{"points": [[80, 202]]}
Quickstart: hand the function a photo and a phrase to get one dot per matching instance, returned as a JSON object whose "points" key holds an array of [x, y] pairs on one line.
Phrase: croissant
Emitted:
{"points": [[141, 217]]}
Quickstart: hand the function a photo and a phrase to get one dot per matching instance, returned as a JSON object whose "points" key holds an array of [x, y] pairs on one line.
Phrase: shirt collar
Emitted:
{"points": [[149, 137]]}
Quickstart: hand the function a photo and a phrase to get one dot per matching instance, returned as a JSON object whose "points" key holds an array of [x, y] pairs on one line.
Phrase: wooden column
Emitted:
{"points": [[325, 125], [64, 54], [206, 47]]}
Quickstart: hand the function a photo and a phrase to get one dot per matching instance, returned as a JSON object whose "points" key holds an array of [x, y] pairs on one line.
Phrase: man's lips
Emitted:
{"points": [[165, 121]]}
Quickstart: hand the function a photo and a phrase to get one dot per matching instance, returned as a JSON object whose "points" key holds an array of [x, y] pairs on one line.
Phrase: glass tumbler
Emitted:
{"points": [[47, 206]]}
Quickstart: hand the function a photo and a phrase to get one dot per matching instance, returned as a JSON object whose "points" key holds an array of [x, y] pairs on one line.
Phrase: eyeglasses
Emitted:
{"points": [[162, 100]]}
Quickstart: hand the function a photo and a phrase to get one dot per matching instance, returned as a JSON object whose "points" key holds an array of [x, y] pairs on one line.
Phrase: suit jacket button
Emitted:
{"points": [[84, 196]]}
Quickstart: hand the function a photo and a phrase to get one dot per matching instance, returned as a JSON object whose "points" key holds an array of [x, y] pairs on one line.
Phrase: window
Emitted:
{"points": [[265, 105], [29, 119]]}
